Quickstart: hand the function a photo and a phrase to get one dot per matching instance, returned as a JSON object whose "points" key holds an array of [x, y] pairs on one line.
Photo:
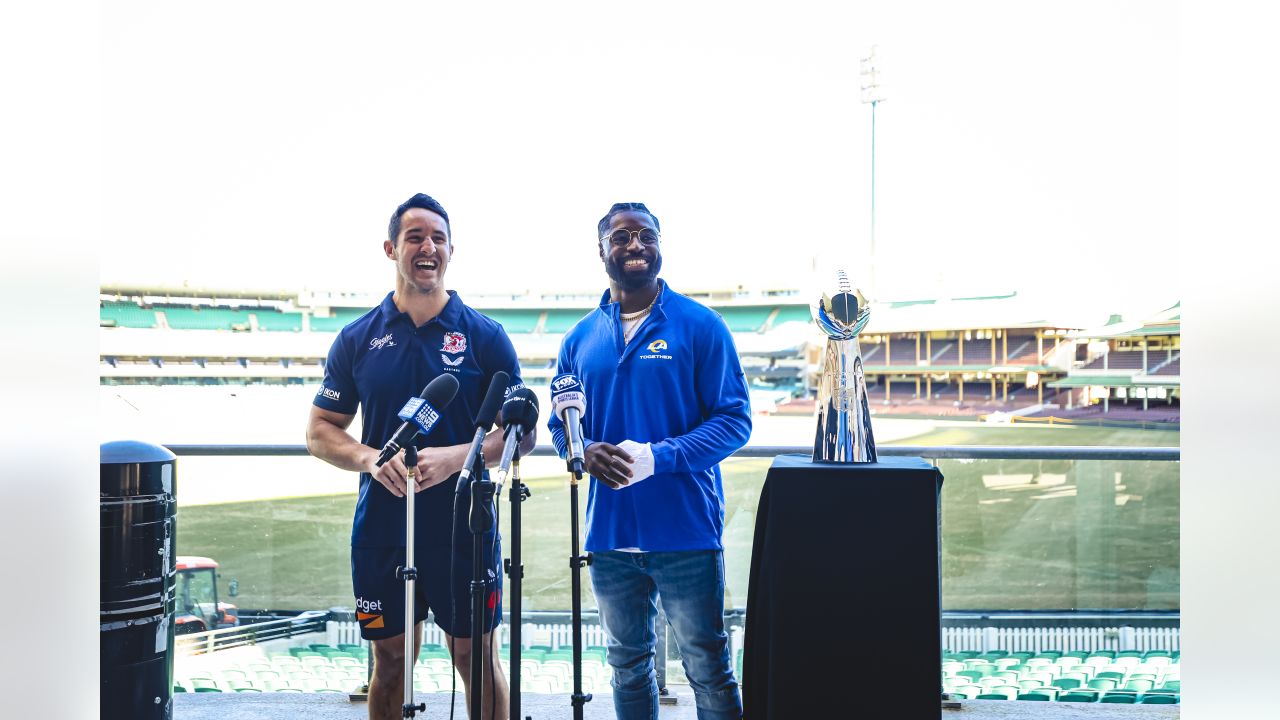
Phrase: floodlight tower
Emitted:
{"points": [[871, 94]]}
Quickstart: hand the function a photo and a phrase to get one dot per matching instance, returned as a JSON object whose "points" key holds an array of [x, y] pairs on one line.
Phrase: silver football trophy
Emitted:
{"points": [[844, 419]]}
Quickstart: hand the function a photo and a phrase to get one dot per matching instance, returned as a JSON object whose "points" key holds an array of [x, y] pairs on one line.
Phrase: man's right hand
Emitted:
{"points": [[392, 473], [609, 464]]}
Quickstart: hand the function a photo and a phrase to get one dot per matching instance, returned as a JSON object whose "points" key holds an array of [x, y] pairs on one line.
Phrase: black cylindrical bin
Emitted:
{"points": [[137, 510]]}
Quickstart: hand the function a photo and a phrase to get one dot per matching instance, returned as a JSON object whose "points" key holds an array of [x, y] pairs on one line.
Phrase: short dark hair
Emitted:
{"points": [[421, 200], [621, 208]]}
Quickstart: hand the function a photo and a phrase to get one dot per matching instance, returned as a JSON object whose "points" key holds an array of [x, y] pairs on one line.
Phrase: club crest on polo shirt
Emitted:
{"points": [[657, 351], [454, 343], [384, 341]]}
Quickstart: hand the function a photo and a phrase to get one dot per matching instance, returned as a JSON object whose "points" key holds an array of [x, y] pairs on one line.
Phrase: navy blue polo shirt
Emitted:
{"points": [[376, 364]]}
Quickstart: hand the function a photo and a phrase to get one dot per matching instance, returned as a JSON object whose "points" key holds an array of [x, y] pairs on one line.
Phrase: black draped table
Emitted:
{"points": [[843, 606]]}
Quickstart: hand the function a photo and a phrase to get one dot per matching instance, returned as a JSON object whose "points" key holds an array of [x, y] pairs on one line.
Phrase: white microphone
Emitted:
{"points": [[569, 403], [519, 416]]}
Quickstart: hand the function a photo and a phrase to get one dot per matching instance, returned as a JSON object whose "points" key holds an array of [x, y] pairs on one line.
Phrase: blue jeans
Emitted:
{"points": [[627, 586]]}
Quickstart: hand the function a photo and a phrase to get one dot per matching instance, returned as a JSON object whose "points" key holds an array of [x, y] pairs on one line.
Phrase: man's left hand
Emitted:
{"points": [[437, 464]]}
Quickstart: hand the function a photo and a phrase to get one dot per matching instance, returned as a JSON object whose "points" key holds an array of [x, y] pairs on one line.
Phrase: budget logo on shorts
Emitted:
{"points": [[365, 614], [454, 343]]}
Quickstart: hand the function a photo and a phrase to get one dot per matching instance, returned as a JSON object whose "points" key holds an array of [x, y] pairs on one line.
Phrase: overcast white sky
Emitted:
{"points": [[1023, 146]]}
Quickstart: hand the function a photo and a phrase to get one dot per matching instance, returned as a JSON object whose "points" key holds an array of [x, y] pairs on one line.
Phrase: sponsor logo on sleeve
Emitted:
{"points": [[330, 393], [513, 388]]}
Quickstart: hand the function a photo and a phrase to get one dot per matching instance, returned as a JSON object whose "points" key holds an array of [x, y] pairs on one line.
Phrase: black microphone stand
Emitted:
{"points": [[481, 520], [515, 570], [577, 561], [409, 573]]}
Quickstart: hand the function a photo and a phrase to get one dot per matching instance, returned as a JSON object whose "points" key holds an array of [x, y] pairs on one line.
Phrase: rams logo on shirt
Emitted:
{"points": [[657, 351]]}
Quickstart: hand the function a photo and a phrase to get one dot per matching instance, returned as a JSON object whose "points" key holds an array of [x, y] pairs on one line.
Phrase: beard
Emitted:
{"points": [[632, 281]]}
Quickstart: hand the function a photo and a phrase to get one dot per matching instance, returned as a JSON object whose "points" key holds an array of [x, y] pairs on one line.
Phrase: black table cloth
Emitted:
{"points": [[843, 605]]}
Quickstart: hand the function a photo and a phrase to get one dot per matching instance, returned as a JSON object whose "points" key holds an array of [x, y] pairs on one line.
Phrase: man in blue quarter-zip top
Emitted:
{"points": [[666, 401]]}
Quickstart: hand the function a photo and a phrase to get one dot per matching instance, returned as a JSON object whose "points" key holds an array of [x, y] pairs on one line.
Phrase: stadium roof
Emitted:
{"points": [[1165, 322], [966, 313]]}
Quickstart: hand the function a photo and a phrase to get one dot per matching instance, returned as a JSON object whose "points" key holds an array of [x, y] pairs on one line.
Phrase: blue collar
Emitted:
{"points": [[605, 301], [450, 316]]}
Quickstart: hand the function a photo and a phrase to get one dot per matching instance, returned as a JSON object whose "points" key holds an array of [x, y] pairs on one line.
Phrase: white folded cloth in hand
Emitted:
{"points": [[641, 460]]}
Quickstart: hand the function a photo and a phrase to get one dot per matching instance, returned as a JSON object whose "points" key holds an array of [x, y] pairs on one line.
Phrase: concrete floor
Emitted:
{"points": [[332, 706]]}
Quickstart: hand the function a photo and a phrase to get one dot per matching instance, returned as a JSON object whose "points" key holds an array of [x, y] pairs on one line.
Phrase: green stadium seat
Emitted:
{"points": [[206, 318], [278, 321], [1067, 683], [515, 320], [1103, 684], [1078, 696], [288, 690], [1172, 685], [1120, 697], [560, 321], [792, 313], [178, 688], [198, 684], [1140, 686], [981, 696], [126, 314], [1158, 699], [338, 320], [1035, 695], [1109, 675], [744, 319], [248, 689], [208, 689], [1107, 654]]}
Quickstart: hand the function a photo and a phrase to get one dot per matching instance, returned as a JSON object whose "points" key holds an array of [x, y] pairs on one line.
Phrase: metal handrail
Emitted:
{"points": [[931, 452]]}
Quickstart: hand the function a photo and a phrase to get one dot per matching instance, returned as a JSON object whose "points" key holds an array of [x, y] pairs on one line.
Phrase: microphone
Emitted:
{"points": [[519, 415], [484, 423], [420, 414], [568, 403]]}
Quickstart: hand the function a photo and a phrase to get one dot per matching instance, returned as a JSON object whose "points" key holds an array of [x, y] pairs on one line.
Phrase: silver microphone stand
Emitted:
{"points": [[409, 573]]}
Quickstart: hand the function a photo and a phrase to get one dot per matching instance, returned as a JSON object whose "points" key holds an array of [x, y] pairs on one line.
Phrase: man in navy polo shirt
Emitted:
{"points": [[666, 402], [377, 363]]}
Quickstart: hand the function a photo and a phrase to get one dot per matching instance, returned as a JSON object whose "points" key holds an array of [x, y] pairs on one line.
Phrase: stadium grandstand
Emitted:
{"points": [[1126, 370], [962, 357]]}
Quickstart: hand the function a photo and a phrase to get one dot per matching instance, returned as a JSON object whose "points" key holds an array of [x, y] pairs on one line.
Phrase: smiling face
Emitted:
{"points": [[631, 259], [421, 252]]}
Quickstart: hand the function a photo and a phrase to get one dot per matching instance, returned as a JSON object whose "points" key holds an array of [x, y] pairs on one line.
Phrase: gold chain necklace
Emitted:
{"points": [[637, 315]]}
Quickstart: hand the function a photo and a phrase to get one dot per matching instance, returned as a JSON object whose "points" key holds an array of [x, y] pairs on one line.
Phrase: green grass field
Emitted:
{"points": [[1016, 534]]}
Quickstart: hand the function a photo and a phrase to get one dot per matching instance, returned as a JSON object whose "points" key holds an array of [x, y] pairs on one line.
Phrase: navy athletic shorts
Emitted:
{"points": [[379, 591]]}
